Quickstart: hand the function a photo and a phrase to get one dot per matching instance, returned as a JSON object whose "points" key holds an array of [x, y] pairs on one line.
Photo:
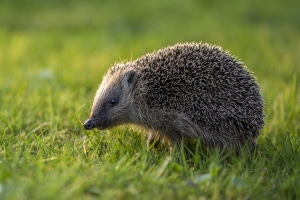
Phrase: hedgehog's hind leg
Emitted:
{"points": [[214, 139], [229, 143]]}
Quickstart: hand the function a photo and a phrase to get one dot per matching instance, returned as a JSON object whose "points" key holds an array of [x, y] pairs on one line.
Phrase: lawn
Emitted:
{"points": [[53, 55]]}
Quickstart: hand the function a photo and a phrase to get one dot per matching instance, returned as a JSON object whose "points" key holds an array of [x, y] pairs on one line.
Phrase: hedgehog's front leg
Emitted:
{"points": [[153, 139]]}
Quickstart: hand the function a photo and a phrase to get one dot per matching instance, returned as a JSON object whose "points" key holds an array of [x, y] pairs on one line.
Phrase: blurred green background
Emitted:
{"points": [[53, 54], [68, 45]]}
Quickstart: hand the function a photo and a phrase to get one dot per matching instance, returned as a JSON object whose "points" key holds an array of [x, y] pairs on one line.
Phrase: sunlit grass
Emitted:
{"points": [[52, 58]]}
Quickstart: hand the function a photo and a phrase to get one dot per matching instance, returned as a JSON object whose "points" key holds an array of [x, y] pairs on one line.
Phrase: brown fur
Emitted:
{"points": [[187, 90]]}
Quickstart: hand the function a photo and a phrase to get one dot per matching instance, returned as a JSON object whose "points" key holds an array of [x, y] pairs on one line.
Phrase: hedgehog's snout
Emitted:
{"points": [[89, 124]]}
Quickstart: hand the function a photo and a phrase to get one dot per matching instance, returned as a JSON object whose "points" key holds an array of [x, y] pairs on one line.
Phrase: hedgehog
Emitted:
{"points": [[188, 90]]}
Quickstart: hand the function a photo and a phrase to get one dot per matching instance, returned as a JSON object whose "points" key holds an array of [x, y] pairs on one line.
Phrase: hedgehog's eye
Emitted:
{"points": [[113, 102]]}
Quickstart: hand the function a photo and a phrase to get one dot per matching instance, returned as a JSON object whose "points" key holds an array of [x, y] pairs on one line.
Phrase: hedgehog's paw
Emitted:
{"points": [[153, 139], [156, 141]]}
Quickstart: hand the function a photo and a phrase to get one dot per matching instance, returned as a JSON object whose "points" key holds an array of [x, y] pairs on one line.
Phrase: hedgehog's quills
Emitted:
{"points": [[187, 90]]}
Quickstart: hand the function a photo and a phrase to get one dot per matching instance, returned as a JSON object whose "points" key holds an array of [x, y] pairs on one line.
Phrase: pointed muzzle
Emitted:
{"points": [[89, 124]]}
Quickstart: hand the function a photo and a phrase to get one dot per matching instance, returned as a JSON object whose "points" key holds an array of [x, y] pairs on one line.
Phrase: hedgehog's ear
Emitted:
{"points": [[130, 79]]}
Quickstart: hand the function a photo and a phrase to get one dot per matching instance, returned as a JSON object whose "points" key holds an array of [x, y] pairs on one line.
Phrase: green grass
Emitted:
{"points": [[52, 58]]}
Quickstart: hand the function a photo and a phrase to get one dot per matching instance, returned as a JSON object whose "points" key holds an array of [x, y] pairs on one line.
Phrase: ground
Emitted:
{"points": [[53, 55]]}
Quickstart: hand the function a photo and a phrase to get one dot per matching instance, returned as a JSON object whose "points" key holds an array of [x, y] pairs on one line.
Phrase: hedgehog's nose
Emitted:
{"points": [[89, 124]]}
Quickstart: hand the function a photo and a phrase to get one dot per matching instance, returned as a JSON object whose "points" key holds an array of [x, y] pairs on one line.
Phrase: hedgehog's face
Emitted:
{"points": [[113, 100]]}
